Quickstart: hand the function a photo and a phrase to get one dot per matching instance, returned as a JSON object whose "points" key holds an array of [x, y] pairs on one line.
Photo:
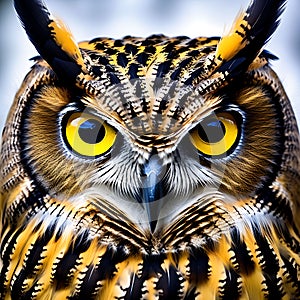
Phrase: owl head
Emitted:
{"points": [[148, 128]]}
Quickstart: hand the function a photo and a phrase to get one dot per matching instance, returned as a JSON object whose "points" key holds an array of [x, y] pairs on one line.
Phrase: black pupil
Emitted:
{"points": [[211, 131], [91, 131]]}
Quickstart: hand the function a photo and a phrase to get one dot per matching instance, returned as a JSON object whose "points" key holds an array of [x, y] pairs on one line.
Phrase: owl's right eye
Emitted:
{"points": [[87, 135]]}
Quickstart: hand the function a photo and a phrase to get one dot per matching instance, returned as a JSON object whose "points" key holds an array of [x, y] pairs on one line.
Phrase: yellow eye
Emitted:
{"points": [[215, 135], [88, 135]]}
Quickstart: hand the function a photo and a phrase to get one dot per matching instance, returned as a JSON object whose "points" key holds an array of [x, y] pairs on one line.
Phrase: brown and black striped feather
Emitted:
{"points": [[54, 246], [65, 251]]}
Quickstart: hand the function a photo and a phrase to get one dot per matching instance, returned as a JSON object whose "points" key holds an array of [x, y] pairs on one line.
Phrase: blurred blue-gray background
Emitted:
{"points": [[116, 18]]}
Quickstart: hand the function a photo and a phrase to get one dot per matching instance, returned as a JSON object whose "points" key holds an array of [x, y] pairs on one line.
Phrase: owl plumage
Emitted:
{"points": [[156, 168]]}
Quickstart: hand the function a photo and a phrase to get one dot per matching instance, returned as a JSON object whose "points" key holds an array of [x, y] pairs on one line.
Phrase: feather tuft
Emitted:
{"points": [[51, 38], [250, 32]]}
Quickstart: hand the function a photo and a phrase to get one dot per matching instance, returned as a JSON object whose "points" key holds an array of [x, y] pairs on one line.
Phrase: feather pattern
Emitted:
{"points": [[153, 217]]}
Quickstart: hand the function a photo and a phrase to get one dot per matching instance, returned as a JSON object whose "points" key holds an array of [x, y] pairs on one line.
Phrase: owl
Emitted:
{"points": [[150, 168]]}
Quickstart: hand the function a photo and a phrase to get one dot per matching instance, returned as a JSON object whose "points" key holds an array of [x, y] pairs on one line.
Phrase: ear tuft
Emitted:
{"points": [[51, 38], [251, 30]]}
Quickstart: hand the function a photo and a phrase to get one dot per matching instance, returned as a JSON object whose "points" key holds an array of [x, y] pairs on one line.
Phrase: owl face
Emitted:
{"points": [[146, 128], [152, 146]]}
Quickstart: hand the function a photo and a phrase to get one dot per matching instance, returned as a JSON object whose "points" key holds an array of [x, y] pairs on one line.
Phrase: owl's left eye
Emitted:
{"points": [[216, 135], [88, 135]]}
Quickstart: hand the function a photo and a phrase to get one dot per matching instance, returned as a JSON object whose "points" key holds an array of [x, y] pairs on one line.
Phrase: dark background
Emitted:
{"points": [[116, 18]]}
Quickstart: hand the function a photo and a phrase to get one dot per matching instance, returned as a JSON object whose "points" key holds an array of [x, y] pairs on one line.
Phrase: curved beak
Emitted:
{"points": [[153, 188]]}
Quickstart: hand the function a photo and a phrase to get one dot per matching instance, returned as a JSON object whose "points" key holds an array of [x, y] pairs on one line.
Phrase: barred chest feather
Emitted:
{"points": [[210, 252]]}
